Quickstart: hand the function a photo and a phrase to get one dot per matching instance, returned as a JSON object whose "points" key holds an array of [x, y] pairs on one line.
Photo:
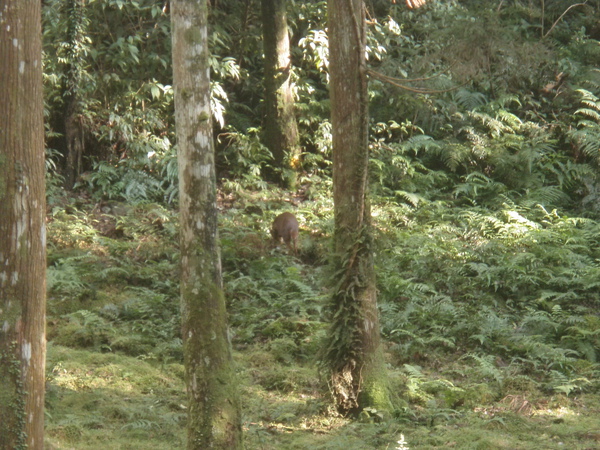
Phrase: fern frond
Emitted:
{"points": [[589, 113], [413, 372], [469, 100], [410, 198], [454, 155], [420, 142], [591, 148], [546, 195], [514, 216], [588, 97], [505, 101], [510, 119], [494, 125], [487, 368]]}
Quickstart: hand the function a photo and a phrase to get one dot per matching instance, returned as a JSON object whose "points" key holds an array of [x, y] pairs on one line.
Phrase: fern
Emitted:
{"points": [[545, 195], [410, 198], [420, 142], [469, 100], [454, 155], [562, 383], [486, 366], [590, 113], [503, 123], [591, 102], [141, 424], [478, 187]]}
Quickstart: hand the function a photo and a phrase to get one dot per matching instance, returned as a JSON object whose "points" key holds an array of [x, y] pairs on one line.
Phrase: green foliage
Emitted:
{"points": [[476, 304], [120, 78], [139, 315], [85, 329], [518, 285], [485, 206], [247, 158], [270, 297], [498, 126], [86, 394]]}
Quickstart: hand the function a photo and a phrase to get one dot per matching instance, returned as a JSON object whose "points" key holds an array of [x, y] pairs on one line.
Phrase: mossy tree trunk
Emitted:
{"points": [[353, 353], [22, 227], [281, 129], [74, 133], [214, 419]]}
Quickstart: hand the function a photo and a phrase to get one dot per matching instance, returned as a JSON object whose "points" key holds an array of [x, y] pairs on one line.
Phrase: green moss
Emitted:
{"points": [[133, 390], [3, 175], [193, 36], [12, 398], [375, 394], [92, 395]]}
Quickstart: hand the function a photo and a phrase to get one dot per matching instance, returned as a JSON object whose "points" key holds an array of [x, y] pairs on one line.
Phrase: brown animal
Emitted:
{"points": [[285, 226]]}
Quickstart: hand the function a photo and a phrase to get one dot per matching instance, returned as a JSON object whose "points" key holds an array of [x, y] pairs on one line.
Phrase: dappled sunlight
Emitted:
{"points": [[484, 230]]}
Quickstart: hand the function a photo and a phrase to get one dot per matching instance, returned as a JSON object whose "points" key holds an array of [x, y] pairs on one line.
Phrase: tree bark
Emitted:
{"points": [[281, 129], [74, 133], [22, 227], [214, 419], [353, 354], [74, 141]]}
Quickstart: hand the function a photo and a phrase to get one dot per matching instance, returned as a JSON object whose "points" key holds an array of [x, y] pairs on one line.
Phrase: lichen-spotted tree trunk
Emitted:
{"points": [[22, 227], [281, 129], [353, 353], [214, 419]]}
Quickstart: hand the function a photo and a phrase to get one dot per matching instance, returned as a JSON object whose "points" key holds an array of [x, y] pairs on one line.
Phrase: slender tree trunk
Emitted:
{"points": [[353, 354], [22, 227], [74, 141], [281, 129], [214, 419], [75, 11]]}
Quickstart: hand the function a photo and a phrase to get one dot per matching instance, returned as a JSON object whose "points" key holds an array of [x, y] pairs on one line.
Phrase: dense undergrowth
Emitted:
{"points": [[489, 317], [486, 220]]}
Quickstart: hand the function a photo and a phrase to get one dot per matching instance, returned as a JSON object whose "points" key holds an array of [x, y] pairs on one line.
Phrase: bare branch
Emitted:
{"points": [[415, 3], [562, 15], [398, 83]]}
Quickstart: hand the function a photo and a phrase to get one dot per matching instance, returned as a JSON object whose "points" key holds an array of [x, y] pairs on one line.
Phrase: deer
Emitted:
{"points": [[285, 227]]}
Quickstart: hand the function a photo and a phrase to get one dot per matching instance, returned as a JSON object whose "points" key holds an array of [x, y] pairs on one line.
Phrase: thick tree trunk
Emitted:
{"points": [[22, 227], [281, 129], [214, 419], [354, 353]]}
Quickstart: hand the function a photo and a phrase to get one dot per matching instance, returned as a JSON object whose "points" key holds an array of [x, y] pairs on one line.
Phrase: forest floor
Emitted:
{"points": [[104, 400], [115, 375]]}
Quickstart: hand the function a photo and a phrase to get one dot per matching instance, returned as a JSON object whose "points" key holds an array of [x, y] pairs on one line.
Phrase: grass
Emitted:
{"points": [[472, 364], [101, 400], [105, 400]]}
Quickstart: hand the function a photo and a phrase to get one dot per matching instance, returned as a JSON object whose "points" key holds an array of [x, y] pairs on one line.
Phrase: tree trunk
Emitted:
{"points": [[22, 227], [74, 141], [214, 419], [76, 29], [281, 129], [353, 353]]}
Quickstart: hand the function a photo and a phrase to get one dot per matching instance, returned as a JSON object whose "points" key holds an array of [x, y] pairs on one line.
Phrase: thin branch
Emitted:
{"points": [[543, 17], [415, 3], [396, 82], [410, 80], [562, 15]]}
